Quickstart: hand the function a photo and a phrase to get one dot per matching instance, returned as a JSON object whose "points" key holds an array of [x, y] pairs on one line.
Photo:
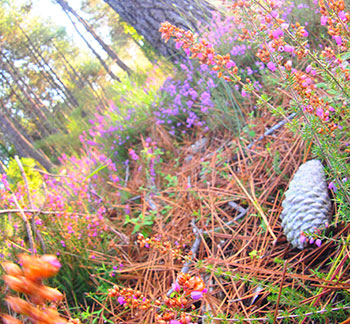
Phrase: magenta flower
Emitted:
{"points": [[288, 48], [303, 238], [196, 295], [174, 322], [230, 64], [318, 242], [271, 66], [332, 186], [338, 40], [277, 33], [342, 15], [121, 300], [176, 287]]}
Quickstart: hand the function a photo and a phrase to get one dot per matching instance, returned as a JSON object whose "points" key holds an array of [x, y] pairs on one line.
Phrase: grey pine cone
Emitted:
{"points": [[307, 205]]}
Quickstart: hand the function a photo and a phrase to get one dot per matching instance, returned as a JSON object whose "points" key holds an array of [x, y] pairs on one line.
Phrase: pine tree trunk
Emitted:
{"points": [[111, 53], [50, 75], [107, 69], [37, 107], [79, 80], [23, 146], [40, 130], [147, 15]]}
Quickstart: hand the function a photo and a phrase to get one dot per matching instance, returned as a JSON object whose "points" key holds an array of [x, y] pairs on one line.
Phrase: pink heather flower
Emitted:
{"points": [[243, 93], [324, 20], [332, 186], [284, 26], [305, 33], [121, 300], [274, 13], [342, 15], [288, 48], [230, 64], [338, 40], [271, 66], [176, 287], [196, 295], [302, 238], [318, 242], [52, 260], [277, 33], [133, 154], [312, 240], [174, 322], [319, 112]]}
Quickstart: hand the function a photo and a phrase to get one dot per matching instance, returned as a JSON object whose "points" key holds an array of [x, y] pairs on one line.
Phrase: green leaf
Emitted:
{"points": [[96, 171]]}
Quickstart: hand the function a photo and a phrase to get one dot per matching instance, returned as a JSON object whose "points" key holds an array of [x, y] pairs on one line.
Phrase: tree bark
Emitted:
{"points": [[103, 63], [22, 145], [36, 106], [147, 15], [111, 53], [50, 75]]}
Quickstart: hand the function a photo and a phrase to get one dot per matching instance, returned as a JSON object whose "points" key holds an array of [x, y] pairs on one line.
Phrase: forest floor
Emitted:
{"points": [[222, 204]]}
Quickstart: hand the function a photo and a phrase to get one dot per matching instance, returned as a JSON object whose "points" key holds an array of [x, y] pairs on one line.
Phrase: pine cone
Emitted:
{"points": [[307, 205]]}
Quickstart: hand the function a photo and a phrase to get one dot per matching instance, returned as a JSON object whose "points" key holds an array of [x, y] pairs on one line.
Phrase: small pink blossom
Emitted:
{"points": [[277, 33], [196, 295], [271, 66], [332, 186], [121, 300], [230, 64], [318, 242], [324, 20], [303, 238], [176, 287], [288, 48], [342, 15], [338, 40]]}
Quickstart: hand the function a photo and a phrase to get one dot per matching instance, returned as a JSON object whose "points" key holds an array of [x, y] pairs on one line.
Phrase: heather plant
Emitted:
{"points": [[64, 216], [316, 77]]}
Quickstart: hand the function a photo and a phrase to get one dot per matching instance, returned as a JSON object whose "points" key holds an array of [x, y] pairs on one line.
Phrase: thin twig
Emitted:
{"points": [[242, 213], [272, 130], [280, 291], [278, 317], [31, 204], [126, 175], [194, 250], [26, 223]]}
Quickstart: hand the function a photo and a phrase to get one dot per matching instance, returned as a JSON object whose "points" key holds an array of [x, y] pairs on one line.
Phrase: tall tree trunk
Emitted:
{"points": [[22, 145], [111, 53], [41, 130], [79, 80], [51, 76], [147, 15], [37, 106], [107, 69]]}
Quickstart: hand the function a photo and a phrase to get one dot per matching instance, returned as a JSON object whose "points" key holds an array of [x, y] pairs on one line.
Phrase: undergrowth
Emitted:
{"points": [[169, 212]]}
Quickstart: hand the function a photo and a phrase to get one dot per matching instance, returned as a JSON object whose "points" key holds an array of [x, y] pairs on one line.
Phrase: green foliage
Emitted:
{"points": [[142, 223], [15, 176]]}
